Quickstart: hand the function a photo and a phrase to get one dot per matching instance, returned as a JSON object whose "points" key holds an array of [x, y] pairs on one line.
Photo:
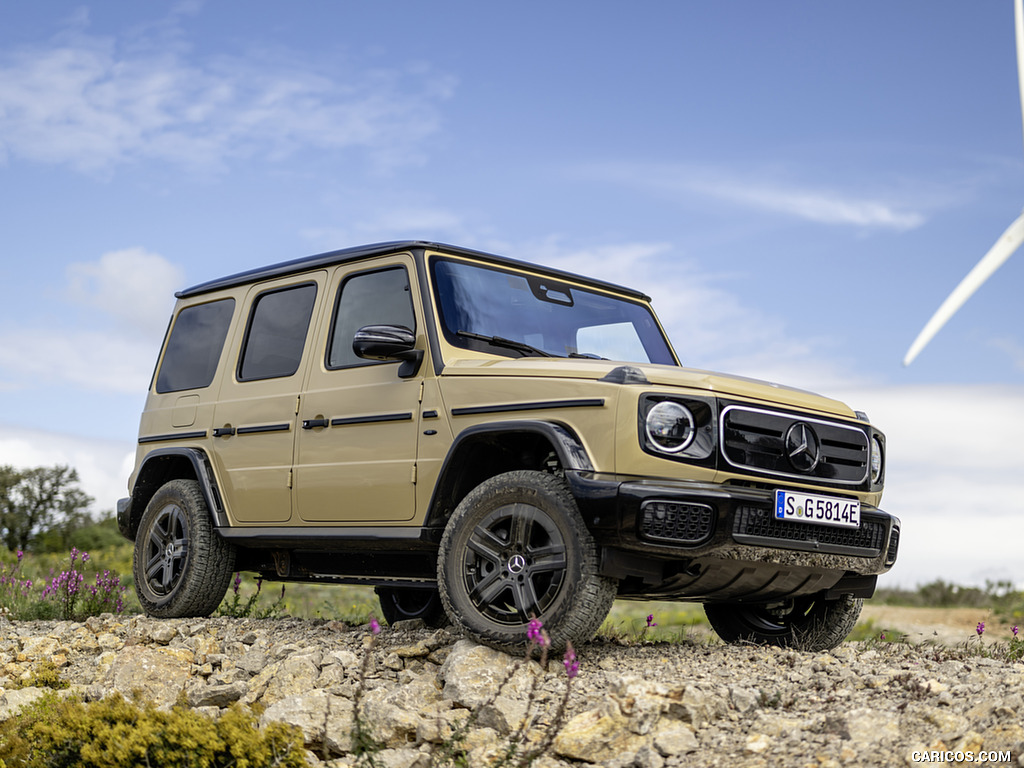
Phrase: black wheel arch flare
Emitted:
{"points": [[163, 465], [466, 465]]}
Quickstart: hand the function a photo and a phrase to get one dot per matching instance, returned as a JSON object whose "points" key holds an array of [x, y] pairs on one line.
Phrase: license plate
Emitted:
{"points": [[819, 510]]}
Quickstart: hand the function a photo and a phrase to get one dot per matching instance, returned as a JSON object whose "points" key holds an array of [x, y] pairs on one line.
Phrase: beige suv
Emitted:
{"points": [[487, 441]]}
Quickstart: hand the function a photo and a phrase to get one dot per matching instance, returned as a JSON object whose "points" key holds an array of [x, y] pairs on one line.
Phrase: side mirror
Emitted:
{"points": [[389, 342]]}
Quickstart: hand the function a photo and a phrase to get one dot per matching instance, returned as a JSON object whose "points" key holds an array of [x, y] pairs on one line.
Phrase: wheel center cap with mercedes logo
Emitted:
{"points": [[516, 564], [802, 447]]}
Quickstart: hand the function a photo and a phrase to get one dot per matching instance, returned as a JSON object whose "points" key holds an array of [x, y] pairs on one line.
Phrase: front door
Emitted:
{"points": [[359, 422]]}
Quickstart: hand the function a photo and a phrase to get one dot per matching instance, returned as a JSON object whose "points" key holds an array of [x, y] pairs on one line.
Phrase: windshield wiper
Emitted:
{"points": [[500, 341]]}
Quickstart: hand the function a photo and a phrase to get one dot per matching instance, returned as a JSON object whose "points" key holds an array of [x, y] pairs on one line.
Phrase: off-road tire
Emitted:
{"points": [[516, 548], [807, 624], [405, 603], [181, 566]]}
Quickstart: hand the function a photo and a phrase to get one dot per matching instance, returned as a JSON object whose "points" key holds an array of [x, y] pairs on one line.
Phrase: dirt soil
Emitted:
{"points": [[945, 626]]}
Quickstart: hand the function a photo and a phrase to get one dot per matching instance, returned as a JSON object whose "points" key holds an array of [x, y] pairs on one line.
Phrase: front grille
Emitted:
{"points": [[894, 545], [671, 521], [757, 525], [755, 440]]}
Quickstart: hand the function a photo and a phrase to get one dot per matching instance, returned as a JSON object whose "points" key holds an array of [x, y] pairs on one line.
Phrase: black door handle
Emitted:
{"points": [[314, 423]]}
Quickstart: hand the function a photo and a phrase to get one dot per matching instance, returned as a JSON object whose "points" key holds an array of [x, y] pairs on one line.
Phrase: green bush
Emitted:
{"points": [[59, 732]]}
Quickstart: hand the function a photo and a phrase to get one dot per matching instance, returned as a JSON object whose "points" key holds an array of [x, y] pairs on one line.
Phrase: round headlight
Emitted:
{"points": [[876, 460], [670, 426]]}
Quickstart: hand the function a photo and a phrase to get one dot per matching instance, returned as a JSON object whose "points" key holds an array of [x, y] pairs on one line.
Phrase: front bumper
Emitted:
{"points": [[708, 542]]}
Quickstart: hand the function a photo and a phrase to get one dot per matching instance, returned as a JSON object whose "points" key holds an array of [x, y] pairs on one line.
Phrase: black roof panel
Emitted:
{"points": [[380, 249]]}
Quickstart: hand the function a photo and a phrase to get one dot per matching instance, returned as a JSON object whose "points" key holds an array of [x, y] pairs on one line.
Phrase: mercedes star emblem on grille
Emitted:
{"points": [[802, 447]]}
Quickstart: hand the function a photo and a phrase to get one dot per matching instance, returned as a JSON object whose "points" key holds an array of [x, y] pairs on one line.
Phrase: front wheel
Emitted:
{"points": [[515, 549], [181, 566], [808, 624]]}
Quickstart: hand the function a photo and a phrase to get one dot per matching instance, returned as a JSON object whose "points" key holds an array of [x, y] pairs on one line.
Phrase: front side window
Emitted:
{"points": [[382, 297], [513, 314], [194, 346], [276, 334]]}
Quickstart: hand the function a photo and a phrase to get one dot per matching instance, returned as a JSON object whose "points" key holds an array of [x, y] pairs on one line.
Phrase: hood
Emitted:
{"points": [[692, 379]]}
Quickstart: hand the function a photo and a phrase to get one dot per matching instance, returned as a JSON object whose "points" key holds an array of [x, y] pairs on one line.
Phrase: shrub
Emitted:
{"points": [[116, 733]]}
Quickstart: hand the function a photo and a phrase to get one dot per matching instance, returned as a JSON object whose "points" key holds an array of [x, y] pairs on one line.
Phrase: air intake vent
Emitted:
{"points": [[679, 523], [894, 545], [756, 525]]}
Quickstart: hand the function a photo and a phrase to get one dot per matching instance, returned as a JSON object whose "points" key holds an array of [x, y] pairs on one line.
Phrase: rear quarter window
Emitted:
{"points": [[194, 346]]}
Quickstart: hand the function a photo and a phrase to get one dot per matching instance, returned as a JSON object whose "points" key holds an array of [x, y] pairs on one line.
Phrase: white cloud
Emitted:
{"points": [[953, 477], [95, 103], [103, 465], [132, 285], [129, 295], [1013, 350], [761, 191], [818, 205]]}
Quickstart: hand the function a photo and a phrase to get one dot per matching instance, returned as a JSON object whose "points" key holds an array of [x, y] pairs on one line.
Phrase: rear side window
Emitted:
{"points": [[277, 333], [194, 346], [369, 298]]}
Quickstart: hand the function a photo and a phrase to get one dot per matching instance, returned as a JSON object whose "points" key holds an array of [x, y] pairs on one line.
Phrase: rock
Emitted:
{"points": [[394, 716], [473, 673], [12, 701], [158, 674], [307, 711], [220, 696], [676, 741], [642, 705], [757, 743], [595, 736]]}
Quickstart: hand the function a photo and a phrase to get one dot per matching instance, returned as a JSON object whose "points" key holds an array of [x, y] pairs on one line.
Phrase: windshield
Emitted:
{"points": [[507, 313]]}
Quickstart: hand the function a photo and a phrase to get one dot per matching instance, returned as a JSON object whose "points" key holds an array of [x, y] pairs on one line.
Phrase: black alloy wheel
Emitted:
{"points": [[181, 566], [515, 549], [809, 623]]}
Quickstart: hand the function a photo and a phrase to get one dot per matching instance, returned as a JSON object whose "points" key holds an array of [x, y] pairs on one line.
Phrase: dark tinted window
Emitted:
{"points": [[370, 298], [277, 333], [194, 346]]}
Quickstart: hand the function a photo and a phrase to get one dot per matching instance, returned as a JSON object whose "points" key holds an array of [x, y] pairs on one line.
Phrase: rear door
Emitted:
{"points": [[255, 418]]}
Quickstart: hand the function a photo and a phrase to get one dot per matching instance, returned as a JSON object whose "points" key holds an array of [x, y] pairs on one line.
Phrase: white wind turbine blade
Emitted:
{"points": [[990, 262], [1005, 246]]}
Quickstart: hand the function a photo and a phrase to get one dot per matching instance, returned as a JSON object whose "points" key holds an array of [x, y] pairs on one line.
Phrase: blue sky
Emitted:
{"points": [[798, 186]]}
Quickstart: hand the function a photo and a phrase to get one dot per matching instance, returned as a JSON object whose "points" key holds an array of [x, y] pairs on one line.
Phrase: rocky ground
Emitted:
{"points": [[646, 705]]}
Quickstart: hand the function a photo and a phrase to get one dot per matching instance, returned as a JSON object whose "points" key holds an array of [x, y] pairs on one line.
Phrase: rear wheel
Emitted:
{"points": [[405, 603], [181, 566], [515, 549], [808, 624]]}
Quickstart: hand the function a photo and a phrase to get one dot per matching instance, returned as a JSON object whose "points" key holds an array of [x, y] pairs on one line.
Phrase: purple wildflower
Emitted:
{"points": [[572, 666], [533, 633], [650, 621], [536, 634], [1014, 630], [20, 555], [374, 626], [238, 581], [980, 629]]}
